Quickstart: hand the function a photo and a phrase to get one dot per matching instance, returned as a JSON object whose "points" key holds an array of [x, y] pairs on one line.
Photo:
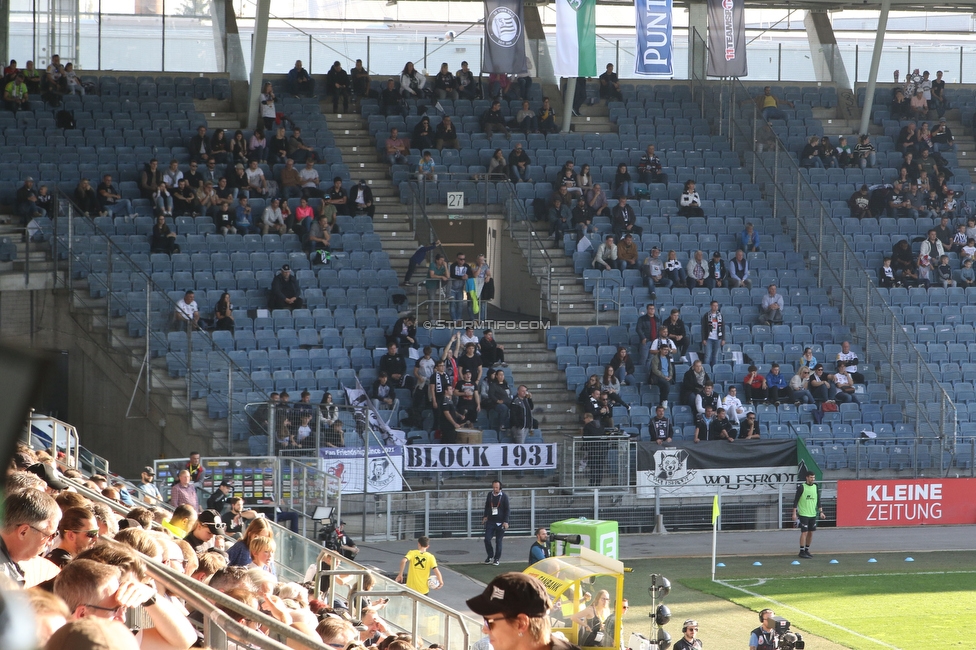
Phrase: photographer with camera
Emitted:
{"points": [[764, 636], [346, 546], [540, 547], [690, 640]]}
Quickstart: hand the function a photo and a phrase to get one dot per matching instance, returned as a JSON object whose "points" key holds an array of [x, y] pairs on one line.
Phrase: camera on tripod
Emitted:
{"points": [[327, 534], [785, 639]]}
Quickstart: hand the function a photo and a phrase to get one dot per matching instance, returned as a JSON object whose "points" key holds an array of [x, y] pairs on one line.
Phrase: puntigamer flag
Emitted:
{"points": [[504, 37], [727, 38], [575, 38], [653, 56]]}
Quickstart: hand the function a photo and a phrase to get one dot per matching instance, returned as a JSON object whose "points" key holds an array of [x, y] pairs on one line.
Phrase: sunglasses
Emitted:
{"points": [[90, 534], [216, 528], [490, 622], [47, 536]]}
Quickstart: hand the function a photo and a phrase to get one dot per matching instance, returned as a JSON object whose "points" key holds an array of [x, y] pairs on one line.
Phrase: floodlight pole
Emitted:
{"points": [[875, 64]]}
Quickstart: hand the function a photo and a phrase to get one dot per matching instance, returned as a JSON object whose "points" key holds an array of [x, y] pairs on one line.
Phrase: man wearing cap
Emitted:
{"points": [[495, 521], [30, 521], [419, 564], [27, 201], [361, 198], [942, 139], [285, 291], [208, 532], [218, 501], [690, 640], [515, 607], [718, 274], [183, 492]]}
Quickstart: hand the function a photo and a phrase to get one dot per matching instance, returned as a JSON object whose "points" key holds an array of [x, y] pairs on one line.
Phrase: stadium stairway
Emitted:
{"points": [[13, 265]]}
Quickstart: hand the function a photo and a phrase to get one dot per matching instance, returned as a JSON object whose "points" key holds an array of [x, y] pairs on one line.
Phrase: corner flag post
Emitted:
{"points": [[716, 512]]}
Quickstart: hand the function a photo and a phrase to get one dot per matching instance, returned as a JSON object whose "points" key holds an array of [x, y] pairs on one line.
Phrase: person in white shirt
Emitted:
{"points": [[733, 405], [850, 361], [256, 182], [186, 310], [310, 180], [606, 255], [739, 271], [172, 175], [75, 86], [469, 337], [272, 219]]}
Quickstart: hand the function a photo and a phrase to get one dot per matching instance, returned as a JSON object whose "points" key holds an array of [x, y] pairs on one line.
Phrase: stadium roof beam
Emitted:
{"points": [[875, 65], [262, 12]]}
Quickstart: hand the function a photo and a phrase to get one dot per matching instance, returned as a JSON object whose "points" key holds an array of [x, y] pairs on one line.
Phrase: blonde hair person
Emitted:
{"points": [[593, 619], [262, 551], [239, 554]]}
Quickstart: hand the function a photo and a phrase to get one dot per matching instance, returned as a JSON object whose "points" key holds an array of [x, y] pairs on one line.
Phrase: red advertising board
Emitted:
{"points": [[910, 502]]}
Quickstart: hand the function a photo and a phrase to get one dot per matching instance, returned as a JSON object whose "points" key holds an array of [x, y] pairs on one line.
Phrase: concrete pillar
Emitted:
{"points": [[262, 10], [875, 64], [828, 64], [5, 34], [697, 21], [228, 51]]}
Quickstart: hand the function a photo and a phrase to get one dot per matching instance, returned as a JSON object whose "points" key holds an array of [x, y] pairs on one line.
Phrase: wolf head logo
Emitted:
{"points": [[671, 464]]}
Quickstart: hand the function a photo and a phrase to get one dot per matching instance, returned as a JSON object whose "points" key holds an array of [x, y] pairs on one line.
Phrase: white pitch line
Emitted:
{"points": [[816, 618], [855, 575]]}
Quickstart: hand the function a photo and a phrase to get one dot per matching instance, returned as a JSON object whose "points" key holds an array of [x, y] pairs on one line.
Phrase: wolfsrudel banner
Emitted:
{"points": [[654, 51], [902, 502], [727, 38], [742, 467]]}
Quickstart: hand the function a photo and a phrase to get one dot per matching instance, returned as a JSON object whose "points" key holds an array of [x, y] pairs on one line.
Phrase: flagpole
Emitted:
{"points": [[715, 515]]}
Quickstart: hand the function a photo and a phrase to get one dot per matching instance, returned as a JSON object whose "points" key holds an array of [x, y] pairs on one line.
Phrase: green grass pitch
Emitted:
{"points": [[854, 604]]}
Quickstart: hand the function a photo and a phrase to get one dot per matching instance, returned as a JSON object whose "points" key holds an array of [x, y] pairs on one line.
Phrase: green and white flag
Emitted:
{"points": [[575, 38]]}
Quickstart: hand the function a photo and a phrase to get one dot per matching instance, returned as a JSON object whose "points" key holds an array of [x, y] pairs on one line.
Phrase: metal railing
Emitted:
{"points": [[835, 267], [537, 257], [135, 312]]}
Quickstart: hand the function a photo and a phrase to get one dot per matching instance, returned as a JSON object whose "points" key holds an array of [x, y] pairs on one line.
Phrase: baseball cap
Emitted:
{"points": [[512, 594], [149, 470], [93, 633], [716, 254], [211, 520], [29, 178], [285, 267], [226, 483], [362, 181], [49, 475]]}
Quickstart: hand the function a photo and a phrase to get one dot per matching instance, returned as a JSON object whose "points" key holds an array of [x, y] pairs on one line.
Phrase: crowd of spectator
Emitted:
{"points": [[83, 566]]}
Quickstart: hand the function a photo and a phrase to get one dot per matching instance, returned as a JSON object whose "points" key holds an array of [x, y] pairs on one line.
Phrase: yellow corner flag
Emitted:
{"points": [[715, 509]]}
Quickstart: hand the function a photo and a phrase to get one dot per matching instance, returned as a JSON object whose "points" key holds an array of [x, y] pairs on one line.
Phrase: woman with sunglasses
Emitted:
{"points": [[593, 620], [690, 640], [78, 532]]}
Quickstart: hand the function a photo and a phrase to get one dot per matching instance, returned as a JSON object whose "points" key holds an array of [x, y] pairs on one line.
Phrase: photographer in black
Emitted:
{"points": [[764, 636], [347, 547], [690, 640]]}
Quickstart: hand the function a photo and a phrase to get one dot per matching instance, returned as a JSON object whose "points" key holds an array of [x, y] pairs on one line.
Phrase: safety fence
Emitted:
{"points": [[835, 267]]}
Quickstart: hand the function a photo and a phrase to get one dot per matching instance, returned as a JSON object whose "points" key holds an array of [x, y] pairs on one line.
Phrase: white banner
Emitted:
{"points": [[453, 458], [707, 482], [346, 465]]}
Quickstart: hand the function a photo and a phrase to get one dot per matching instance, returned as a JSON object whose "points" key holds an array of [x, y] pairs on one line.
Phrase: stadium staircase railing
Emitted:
{"points": [[83, 251], [831, 260]]}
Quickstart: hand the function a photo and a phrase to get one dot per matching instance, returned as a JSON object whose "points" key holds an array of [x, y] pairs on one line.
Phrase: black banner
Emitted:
{"points": [[504, 37], [727, 38]]}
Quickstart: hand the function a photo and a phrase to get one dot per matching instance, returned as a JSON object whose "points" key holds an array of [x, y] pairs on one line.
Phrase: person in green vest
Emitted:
{"points": [[806, 511]]}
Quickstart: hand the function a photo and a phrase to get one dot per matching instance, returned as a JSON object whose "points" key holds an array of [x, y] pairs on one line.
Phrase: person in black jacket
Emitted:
{"points": [[492, 120], [361, 199], [337, 85], [285, 292], [520, 415], [200, 150], [718, 274], [713, 334], [390, 103], [595, 451], [495, 520], [393, 365], [404, 334]]}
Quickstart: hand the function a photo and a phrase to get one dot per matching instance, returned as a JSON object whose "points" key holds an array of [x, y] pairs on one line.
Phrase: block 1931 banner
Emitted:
{"points": [[454, 458]]}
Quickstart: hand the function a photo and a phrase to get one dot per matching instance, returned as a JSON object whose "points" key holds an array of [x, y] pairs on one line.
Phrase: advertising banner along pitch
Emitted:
{"points": [[653, 57], [504, 37], [575, 38], [727, 38], [453, 458], [745, 467], [906, 502]]}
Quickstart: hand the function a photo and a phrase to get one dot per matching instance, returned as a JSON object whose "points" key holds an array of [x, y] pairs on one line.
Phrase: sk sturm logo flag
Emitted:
{"points": [[575, 38]]}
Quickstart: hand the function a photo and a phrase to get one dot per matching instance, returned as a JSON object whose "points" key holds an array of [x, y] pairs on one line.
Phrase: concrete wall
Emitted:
{"points": [[99, 384]]}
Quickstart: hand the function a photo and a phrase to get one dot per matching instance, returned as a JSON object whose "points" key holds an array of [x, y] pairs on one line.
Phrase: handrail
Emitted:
{"points": [[65, 207], [861, 303], [394, 589]]}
